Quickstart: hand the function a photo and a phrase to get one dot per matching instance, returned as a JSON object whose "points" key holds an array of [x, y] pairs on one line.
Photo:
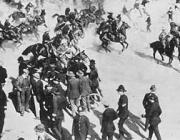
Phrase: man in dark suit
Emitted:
{"points": [[37, 87], [122, 110], [3, 98], [147, 104], [85, 89], [108, 128], [154, 119], [73, 92], [81, 126], [59, 103]]}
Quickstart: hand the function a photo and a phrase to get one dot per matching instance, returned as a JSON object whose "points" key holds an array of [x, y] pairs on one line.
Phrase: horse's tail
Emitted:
{"points": [[27, 50], [55, 15]]}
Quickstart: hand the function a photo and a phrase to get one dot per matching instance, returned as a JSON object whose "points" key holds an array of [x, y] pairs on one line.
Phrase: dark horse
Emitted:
{"points": [[109, 36], [168, 50]]}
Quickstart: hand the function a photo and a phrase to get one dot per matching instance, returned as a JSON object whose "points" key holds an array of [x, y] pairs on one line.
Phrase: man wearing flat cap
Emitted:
{"points": [[85, 89], [147, 102], [73, 91], [122, 110]]}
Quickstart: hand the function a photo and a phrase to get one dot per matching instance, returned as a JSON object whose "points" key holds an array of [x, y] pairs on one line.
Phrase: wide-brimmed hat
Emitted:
{"points": [[153, 87], [121, 88], [70, 74], [40, 128]]}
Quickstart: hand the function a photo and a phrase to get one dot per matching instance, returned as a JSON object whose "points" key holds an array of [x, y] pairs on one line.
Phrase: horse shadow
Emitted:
{"points": [[160, 62]]}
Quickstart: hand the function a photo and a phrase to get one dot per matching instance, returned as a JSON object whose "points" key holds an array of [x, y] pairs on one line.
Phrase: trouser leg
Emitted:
{"points": [[122, 131], [19, 101], [2, 116], [27, 98], [150, 132], [156, 132], [22, 102], [110, 136], [104, 136], [73, 107]]}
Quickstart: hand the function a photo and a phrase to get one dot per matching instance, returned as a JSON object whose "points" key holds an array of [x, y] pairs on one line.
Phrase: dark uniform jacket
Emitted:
{"points": [[3, 75], [123, 107], [81, 126], [59, 101], [109, 115], [154, 114], [37, 87], [85, 86], [73, 88], [147, 98], [3, 101]]}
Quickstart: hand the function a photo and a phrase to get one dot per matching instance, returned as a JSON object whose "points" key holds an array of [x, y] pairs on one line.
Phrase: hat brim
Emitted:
{"points": [[123, 90]]}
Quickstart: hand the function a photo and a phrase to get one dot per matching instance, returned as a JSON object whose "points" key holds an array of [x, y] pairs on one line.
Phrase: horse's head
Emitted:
{"points": [[126, 26]]}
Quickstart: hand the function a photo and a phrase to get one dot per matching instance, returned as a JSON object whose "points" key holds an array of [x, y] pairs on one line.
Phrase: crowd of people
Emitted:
{"points": [[67, 84]]}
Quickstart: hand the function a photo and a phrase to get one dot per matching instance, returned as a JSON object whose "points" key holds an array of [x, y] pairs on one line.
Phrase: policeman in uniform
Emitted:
{"points": [[147, 103], [122, 111], [81, 126]]}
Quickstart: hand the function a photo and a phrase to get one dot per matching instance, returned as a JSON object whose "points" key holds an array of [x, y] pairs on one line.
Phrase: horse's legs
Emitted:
{"points": [[126, 44], [179, 53], [123, 47], [154, 53], [161, 56]]}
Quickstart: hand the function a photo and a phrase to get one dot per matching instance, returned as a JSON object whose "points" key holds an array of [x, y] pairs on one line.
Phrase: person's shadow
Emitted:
{"points": [[134, 123]]}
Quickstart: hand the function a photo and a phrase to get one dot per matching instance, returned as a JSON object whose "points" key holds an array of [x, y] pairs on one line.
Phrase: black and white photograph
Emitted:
{"points": [[89, 69]]}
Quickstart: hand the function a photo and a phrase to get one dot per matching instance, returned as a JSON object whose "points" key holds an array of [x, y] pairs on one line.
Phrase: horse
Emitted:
{"points": [[168, 50], [28, 29], [107, 36], [17, 15]]}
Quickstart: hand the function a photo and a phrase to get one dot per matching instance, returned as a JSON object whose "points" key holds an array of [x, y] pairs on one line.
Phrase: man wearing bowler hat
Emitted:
{"points": [[122, 110]]}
